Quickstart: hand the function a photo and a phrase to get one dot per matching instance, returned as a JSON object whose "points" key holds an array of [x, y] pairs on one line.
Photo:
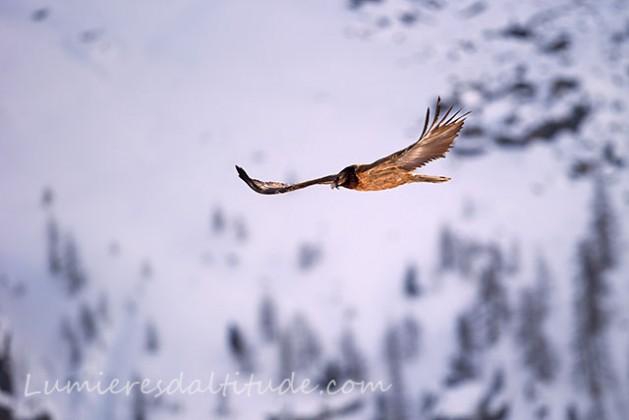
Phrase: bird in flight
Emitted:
{"points": [[390, 171]]}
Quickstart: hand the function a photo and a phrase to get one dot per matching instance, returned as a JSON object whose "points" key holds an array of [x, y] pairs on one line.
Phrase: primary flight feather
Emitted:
{"points": [[390, 171]]}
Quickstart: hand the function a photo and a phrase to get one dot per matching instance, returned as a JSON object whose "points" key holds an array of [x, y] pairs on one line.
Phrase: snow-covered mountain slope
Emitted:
{"points": [[130, 250]]}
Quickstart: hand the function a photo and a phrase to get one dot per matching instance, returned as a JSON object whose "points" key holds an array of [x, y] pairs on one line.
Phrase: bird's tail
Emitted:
{"points": [[429, 178]]}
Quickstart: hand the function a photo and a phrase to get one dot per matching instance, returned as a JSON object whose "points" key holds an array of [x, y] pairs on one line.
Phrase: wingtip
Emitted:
{"points": [[241, 173]]}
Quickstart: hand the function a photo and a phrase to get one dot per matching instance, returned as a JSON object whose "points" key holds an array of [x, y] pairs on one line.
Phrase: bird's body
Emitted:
{"points": [[377, 179], [388, 172]]}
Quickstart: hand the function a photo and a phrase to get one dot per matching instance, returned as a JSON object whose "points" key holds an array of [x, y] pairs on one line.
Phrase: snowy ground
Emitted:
{"points": [[134, 115]]}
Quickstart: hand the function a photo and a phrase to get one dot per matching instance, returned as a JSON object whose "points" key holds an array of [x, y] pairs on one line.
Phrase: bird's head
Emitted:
{"points": [[346, 178]]}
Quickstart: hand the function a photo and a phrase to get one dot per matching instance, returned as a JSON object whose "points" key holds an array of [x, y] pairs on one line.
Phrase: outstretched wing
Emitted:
{"points": [[271, 187], [434, 142]]}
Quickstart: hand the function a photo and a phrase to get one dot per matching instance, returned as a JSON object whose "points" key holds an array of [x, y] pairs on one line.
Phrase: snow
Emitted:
{"points": [[460, 401], [135, 114]]}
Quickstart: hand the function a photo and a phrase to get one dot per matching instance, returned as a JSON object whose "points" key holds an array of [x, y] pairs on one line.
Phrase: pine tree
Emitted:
{"points": [[6, 372], [308, 256], [572, 412], [596, 257], [89, 326], [354, 363], [410, 334], [239, 348], [6, 412], [268, 319], [411, 282], [396, 401], [538, 354], [138, 403], [306, 343], [151, 339], [333, 376], [47, 197], [287, 363], [217, 221], [604, 226], [69, 335], [464, 365], [300, 350], [53, 247], [592, 357], [380, 407], [223, 407], [447, 249], [491, 407], [73, 272], [427, 403], [468, 253], [493, 305]]}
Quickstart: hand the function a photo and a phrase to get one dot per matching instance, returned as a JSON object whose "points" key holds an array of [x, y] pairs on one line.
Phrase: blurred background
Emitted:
{"points": [[130, 249]]}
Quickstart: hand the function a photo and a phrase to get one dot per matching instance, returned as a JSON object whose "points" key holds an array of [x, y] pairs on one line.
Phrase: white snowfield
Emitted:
{"points": [[121, 123]]}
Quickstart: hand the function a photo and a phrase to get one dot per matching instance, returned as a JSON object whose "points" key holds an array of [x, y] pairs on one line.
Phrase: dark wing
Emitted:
{"points": [[435, 140], [270, 187]]}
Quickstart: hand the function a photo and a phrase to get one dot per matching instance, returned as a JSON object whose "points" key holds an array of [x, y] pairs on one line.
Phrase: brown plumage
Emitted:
{"points": [[390, 171]]}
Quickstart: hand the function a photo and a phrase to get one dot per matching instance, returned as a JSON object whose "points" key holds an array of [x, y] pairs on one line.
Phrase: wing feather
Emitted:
{"points": [[434, 142], [272, 187]]}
